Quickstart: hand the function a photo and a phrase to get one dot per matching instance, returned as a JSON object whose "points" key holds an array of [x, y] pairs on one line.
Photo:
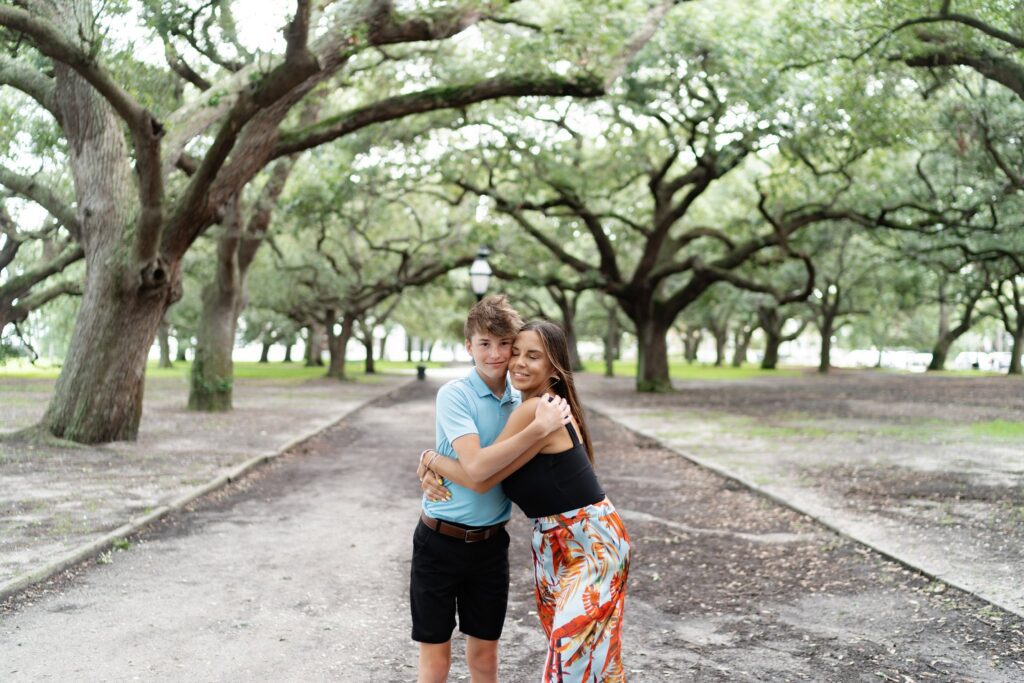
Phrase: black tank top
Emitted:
{"points": [[552, 483]]}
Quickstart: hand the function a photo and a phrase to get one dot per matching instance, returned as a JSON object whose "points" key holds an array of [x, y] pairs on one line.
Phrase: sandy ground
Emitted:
{"points": [[915, 465], [299, 572], [55, 499]]}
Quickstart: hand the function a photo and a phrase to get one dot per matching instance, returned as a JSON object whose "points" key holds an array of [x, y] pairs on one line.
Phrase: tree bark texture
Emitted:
{"points": [[772, 341], [98, 396], [721, 335], [652, 370], [611, 341], [827, 326], [1017, 351], [336, 345], [163, 338], [314, 345], [368, 365], [212, 368], [566, 302], [741, 342]]}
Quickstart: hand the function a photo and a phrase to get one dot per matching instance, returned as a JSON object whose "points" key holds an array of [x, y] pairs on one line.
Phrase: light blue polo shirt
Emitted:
{"points": [[468, 406]]}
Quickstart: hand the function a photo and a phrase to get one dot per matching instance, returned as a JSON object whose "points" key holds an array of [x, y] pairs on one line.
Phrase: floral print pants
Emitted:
{"points": [[580, 565]]}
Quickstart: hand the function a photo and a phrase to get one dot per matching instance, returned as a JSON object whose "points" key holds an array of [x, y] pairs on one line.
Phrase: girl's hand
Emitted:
{"points": [[433, 487], [552, 413]]}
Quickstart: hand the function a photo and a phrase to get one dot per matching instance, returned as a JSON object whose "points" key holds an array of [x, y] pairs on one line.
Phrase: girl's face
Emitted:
{"points": [[530, 369]]}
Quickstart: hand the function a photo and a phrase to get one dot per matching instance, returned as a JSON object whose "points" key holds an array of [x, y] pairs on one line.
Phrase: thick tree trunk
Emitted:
{"points": [[611, 342], [382, 347], [288, 352], [948, 335], [566, 302], [368, 364], [772, 341], [721, 335], [98, 396], [265, 352], [236, 248], [163, 339], [430, 350], [825, 362], [408, 348], [741, 342], [691, 344], [336, 345], [182, 353], [652, 370], [940, 352], [314, 345], [212, 369], [1018, 349]]}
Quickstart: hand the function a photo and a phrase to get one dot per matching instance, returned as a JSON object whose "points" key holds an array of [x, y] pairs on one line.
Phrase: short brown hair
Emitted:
{"points": [[493, 315]]}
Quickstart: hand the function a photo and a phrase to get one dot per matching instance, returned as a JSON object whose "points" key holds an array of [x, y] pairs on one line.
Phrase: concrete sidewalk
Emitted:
{"points": [[299, 572], [60, 505]]}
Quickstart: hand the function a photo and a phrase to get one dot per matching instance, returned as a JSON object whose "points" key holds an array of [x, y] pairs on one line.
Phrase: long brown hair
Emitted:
{"points": [[552, 336]]}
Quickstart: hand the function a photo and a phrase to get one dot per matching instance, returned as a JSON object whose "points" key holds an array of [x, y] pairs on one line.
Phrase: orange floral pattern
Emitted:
{"points": [[580, 565]]}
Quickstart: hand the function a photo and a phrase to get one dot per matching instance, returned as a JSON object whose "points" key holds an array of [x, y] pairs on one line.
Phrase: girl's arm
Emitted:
{"points": [[452, 469], [523, 435]]}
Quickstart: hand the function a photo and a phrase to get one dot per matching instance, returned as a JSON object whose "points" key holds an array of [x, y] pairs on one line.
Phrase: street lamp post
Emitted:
{"points": [[480, 273]]}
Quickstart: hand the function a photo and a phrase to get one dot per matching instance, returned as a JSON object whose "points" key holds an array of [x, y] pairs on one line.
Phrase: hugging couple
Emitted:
{"points": [[512, 430]]}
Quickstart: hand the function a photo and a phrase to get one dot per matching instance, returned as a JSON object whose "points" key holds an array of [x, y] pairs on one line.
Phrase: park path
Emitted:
{"points": [[57, 502], [887, 459], [299, 573]]}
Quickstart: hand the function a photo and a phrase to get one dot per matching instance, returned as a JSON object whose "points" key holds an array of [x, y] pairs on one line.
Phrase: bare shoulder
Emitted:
{"points": [[525, 409], [528, 404]]}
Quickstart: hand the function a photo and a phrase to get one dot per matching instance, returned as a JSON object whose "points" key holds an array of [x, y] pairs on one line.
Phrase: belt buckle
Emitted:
{"points": [[466, 536]]}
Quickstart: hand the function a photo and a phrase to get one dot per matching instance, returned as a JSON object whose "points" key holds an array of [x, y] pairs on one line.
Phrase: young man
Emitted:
{"points": [[460, 547]]}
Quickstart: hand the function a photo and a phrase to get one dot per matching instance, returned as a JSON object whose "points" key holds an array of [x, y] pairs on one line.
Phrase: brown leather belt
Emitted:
{"points": [[467, 535]]}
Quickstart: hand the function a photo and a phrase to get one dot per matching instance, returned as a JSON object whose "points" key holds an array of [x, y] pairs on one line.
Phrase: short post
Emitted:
{"points": [[421, 372]]}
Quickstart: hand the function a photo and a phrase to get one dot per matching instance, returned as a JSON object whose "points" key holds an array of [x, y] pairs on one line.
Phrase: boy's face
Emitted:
{"points": [[490, 355]]}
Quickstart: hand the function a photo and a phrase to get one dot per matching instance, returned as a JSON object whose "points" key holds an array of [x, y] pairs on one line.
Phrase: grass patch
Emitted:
{"points": [[680, 370], [243, 370], [998, 429], [924, 431], [780, 432]]}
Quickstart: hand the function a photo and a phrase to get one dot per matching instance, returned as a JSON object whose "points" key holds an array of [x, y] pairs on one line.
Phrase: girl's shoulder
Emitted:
{"points": [[526, 406]]}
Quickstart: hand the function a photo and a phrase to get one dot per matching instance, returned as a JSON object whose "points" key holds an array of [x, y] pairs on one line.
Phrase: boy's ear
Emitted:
{"points": [[469, 346]]}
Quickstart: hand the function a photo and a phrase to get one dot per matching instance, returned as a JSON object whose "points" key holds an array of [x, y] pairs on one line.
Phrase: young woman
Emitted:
{"points": [[580, 546]]}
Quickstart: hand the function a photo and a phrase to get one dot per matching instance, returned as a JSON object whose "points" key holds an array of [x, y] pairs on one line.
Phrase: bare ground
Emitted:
{"points": [[54, 498], [930, 469], [299, 571]]}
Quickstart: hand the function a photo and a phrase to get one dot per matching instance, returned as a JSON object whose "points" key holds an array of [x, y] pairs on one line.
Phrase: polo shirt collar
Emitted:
{"points": [[482, 390]]}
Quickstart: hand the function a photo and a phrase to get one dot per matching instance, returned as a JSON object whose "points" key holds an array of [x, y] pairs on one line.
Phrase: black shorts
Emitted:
{"points": [[450, 575]]}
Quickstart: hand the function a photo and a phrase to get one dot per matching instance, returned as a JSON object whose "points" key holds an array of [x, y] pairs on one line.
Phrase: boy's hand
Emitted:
{"points": [[552, 413], [432, 487]]}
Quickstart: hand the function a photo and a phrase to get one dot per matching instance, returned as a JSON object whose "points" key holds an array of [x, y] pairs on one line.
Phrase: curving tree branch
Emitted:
{"points": [[30, 188]]}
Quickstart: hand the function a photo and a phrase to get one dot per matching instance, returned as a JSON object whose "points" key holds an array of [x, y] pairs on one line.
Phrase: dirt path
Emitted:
{"points": [[928, 469], [299, 572], [54, 500]]}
